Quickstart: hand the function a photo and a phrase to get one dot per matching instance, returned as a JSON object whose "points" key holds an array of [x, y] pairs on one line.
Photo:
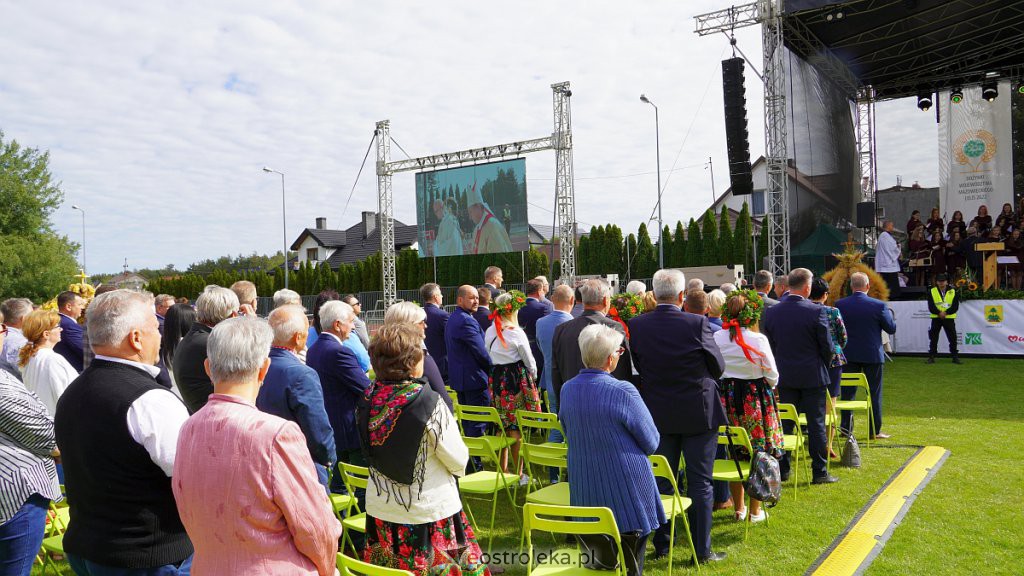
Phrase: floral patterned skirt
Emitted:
{"points": [[447, 547], [752, 405], [512, 389]]}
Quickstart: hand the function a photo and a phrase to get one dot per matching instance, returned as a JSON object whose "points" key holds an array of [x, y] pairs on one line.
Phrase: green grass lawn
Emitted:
{"points": [[967, 520]]}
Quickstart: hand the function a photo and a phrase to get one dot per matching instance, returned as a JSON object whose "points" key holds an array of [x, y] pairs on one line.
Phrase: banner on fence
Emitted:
{"points": [[975, 152], [982, 327]]}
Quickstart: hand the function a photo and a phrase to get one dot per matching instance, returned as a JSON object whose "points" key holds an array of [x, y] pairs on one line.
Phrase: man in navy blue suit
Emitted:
{"points": [[483, 312], [70, 306], [797, 330], [492, 280], [292, 390], [468, 361], [437, 319], [865, 318], [343, 383], [679, 362], [534, 310]]}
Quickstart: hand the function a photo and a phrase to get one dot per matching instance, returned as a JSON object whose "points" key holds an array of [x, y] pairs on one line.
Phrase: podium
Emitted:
{"points": [[990, 263]]}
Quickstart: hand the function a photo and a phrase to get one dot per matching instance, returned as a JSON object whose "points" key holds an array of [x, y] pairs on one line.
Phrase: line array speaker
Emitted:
{"points": [[736, 137]]}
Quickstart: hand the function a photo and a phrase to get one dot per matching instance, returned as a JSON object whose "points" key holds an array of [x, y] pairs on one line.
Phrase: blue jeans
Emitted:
{"points": [[21, 536], [83, 567]]}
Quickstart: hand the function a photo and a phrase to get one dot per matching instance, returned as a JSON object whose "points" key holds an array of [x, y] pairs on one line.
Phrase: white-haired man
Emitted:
{"points": [[213, 306], [679, 363], [247, 297], [292, 390], [14, 311], [286, 297], [117, 429], [636, 287], [161, 304]]}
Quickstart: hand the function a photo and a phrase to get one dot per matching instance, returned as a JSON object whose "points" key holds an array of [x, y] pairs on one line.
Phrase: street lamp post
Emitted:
{"points": [[657, 146], [284, 225], [76, 207]]}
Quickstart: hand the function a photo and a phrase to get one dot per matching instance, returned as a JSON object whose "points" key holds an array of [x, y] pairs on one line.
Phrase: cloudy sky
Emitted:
{"points": [[158, 116]]}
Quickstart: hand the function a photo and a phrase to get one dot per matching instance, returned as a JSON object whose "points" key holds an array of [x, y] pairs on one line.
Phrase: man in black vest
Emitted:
{"points": [[117, 429], [214, 305]]}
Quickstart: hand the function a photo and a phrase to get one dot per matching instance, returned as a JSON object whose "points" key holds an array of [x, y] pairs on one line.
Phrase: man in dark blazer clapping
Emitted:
{"points": [[469, 364], [437, 319], [797, 330], [865, 318], [343, 382], [567, 360], [679, 362]]}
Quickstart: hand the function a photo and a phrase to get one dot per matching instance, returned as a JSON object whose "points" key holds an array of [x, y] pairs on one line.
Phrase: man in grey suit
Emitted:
{"points": [[567, 360], [763, 285]]}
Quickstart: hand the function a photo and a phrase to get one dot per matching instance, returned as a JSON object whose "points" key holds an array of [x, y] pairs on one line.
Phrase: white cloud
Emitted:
{"points": [[159, 115]]}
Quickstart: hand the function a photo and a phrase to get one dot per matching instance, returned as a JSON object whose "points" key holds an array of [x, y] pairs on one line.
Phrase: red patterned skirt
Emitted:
{"points": [[447, 547], [752, 405], [512, 389]]}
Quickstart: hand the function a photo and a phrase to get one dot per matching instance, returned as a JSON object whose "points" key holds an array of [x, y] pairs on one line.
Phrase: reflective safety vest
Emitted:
{"points": [[943, 303]]}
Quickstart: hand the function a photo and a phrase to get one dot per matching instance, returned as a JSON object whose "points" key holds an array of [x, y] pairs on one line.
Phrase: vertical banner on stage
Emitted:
{"points": [[975, 152]]}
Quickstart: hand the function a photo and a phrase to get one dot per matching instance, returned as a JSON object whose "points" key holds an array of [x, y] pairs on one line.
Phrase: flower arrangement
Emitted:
{"points": [[626, 306], [751, 312], [508, 303]]}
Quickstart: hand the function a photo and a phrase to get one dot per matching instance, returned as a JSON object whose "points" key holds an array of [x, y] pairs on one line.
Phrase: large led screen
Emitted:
{"points": [[479, 209]]}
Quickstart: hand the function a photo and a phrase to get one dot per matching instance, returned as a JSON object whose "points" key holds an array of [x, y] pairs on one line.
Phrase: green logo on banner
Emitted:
{"points": [[972, 338]]}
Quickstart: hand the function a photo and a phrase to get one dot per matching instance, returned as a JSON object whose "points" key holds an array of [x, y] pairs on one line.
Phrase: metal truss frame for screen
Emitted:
{"points": [[560, 141]]}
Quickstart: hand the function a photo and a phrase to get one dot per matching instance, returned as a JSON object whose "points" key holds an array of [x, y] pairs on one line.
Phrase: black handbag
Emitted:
{"points": [[850, 457]]}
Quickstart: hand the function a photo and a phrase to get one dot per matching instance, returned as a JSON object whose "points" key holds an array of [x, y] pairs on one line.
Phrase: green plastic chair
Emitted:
{"points": [[487, 483], [584, 521], [674, 505], [795, 442], [52, 545], [354, 477], [547, 455], [349, 566], [538, 424], [453, 395], [858, 381], [733, 470], [489, 415]]}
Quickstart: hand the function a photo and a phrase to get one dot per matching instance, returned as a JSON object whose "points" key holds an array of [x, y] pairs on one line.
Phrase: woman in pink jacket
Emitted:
{"points": [[244, 481]]}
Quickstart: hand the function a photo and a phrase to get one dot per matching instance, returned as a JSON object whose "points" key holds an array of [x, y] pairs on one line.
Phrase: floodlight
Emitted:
{"points": [[924, 101], [957, 95], [990, 90]]}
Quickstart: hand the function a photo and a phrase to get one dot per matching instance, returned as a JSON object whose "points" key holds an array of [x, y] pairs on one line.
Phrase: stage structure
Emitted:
{"points": [[871, 50], [560, 141]]}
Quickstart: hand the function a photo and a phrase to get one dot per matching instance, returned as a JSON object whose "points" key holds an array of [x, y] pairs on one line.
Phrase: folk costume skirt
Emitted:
{"points": [[446, 547], [513, 389], [752, 405]]}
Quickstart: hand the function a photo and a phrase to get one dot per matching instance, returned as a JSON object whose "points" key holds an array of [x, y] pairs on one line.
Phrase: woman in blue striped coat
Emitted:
{"points": [[610, 434]]}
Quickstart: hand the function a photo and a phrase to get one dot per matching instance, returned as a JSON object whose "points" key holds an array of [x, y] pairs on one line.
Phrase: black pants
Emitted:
{"points": [[603, 555], [699, 452], [810, 401], [947, 325], [892, 280]]}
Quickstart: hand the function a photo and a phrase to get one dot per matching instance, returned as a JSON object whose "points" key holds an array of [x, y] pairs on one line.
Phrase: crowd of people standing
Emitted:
{"points": [[204, 438]]}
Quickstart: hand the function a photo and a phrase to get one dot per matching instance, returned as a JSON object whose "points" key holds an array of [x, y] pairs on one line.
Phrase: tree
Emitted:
{"points": [[762, 242], [709, 239], [742, 240], [725, 250], [678, 246], [694, 244], [666, 238], [583, 255], [35, 262], [595, 245], [629, 258], [612, 249], [646, 261]]}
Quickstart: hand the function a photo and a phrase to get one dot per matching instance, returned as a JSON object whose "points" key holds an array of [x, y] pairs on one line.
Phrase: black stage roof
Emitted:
{"points": [[904, 47]]}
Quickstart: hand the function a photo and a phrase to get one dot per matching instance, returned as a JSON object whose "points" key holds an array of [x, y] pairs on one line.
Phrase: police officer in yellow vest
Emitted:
{"points": [[943, 302]]}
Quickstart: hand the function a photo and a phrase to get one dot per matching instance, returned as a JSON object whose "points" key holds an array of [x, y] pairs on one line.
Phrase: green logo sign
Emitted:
{"points": [[974, 148], [972, 338]]}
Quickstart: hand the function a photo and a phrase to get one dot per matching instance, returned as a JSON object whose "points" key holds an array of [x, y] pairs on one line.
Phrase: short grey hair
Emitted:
{"points": [[286, 297], [334, 311], [727, 288], [668, 283], [237, 349], [428, 291], [636, 287], [716, 299], [216, 304], [404, 313], [859, 280], [15, 309], [594, 291], [287, 321], [111, 316], [762, 280], [799, 278], [161, 297], [491, 272], [543, 280], [695, 284], [597, 343]]}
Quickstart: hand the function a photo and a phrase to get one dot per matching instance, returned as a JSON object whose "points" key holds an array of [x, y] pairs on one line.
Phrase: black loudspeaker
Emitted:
{"points": [[865, 215], [736, 137]]}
